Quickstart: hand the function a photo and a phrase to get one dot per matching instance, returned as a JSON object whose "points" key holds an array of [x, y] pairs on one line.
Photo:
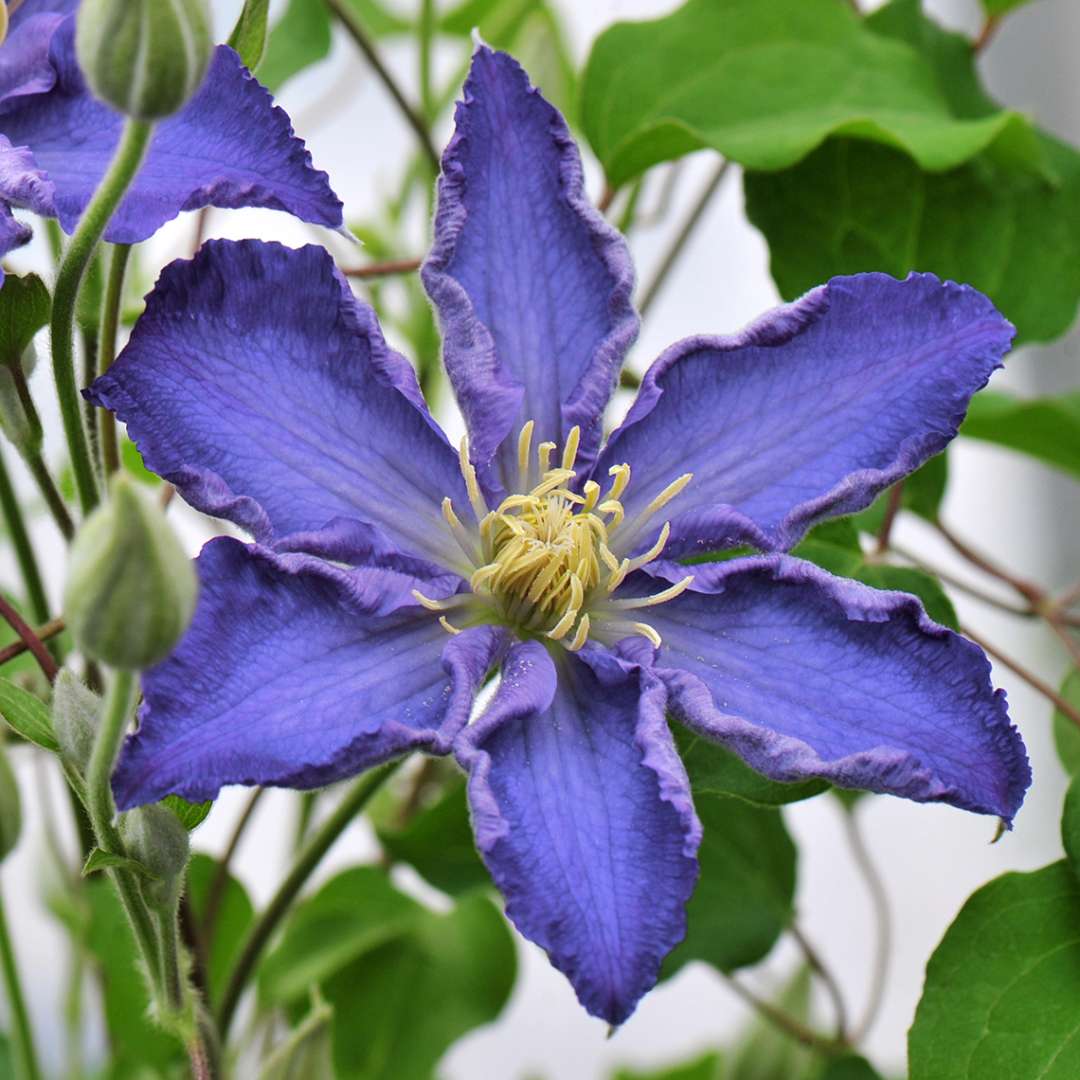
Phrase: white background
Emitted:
{"points": [[931, 857]]}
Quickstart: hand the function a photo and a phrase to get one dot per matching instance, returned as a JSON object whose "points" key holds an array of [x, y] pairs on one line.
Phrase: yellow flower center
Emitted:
{"points": [[548, 559]]}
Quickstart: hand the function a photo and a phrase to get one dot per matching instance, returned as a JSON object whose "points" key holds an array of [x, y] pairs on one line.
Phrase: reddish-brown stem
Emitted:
{"points": [[42, 633], [30, 639], [607, 198], [1027, 589], [384, 269], [892, 508], [1029, 677], [986, 34]]}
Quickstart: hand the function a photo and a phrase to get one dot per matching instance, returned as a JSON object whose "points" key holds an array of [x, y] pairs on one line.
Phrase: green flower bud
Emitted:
{"points": [[144, 57], [10, 808], [131, 589], [14, 423], [154, 836], [76, 711]]}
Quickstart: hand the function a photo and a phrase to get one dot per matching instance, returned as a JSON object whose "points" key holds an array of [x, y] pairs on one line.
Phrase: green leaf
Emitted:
{"points": [[132, 461], [353, 913], [25, 305], [99, 860], [300, 38], [10, 808], [743, 898], [1002, 991], [1001, 7], [708, 1066], [852, 1067], [379, 21], [713, 770], [916, 582], [399, 1007], [235, 914], [764, 84], [438, 843], [1045, 428], [249, 34], [1066, 732], [191, 815], [27, 715], [1070, 825]]}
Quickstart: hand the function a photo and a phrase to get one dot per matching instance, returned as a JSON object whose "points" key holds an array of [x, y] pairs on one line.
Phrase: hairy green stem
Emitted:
{"points": [[115, 715], [25, 1052], [134, 142], [110, 324], [356, 798]]}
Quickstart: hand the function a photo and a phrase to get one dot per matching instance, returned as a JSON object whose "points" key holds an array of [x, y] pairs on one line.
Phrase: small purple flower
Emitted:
{"points": [[56, 141], [389, 575]]}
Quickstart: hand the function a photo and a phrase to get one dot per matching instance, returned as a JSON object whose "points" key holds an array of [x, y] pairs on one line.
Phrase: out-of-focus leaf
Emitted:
{"points": [[1070, 825], [1002, 990], [713, 770], [438, 844], [248, 37], [234, 916], [300, 38], [706, 1067], [352, 914], [764, 84], [24, 309], [1066, 731], [454, 971], [132, 461], [851, 1067], [743, 898], [1001, 7], [191, 815], [10, 808], [27, 715], [1045, 428], [763, 1052], [378, 20]]}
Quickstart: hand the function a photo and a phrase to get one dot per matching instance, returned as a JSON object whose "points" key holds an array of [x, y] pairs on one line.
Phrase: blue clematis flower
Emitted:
{"points": [[390, 575], [56, 141]]}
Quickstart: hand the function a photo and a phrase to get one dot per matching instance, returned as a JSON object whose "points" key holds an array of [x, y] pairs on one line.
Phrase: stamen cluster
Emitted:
{"points": [[548, 559]]}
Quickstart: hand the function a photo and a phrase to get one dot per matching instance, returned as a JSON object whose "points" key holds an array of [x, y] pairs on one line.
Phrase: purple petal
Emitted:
{"points": [[263, 389], [810, 412], [25, 67], [532, 285], [582, 811], [13, 234], [805, 675], [247, 152], [297, 673]]}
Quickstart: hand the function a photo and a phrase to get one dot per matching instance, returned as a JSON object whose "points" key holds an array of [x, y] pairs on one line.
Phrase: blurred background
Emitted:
{"points": [[1025, 515]]}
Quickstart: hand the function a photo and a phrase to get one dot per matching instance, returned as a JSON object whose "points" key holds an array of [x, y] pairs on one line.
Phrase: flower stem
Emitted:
{"points": [[116, 713], [110, 323], [682, 238], [892, 509], [356, 798], [789, 1025], [27, 1067], [348, 19], [218, 883], [832, 987], [26, 634], [24, 550], [860, 853], [45, 632], [134, 142], [383, 269]]}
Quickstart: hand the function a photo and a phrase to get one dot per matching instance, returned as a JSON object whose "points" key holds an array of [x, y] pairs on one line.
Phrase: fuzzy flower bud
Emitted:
{"points": [[10, 808], [144, 57], [154, 836], [131, 589], [76, 712]]}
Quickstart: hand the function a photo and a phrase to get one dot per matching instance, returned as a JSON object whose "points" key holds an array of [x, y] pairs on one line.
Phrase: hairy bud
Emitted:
{"points": [[10, 808], [154, 836], [76, 712], [144, 57], [131, 589]]}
